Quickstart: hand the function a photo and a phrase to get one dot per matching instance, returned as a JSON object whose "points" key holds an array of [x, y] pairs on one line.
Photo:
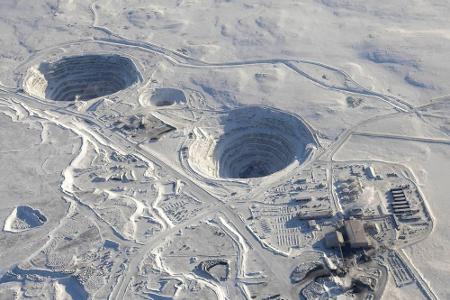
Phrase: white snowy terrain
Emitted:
{"points": [[224, 149]]}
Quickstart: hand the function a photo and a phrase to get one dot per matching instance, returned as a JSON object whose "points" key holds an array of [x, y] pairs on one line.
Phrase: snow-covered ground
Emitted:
{"points": [[197, 149]]}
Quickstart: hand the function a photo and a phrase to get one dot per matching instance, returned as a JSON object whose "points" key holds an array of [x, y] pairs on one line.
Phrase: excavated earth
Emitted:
{"points": [[254, 142], [82, 77]]}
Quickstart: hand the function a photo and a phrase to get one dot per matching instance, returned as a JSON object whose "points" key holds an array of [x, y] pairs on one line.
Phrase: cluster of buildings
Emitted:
{"points": [[401, 207]]}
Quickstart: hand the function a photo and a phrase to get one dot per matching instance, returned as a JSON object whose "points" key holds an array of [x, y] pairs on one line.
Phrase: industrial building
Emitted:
{"points": [[334, 239], [370, 171], [401, 206], [356, 235]]}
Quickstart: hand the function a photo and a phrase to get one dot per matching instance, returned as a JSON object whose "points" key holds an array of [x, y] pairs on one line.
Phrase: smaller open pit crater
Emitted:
{"points": [[81, 77], [166, 97]]}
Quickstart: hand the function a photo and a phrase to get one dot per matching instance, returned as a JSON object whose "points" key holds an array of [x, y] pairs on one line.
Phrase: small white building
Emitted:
{"points": [[370, 172]]}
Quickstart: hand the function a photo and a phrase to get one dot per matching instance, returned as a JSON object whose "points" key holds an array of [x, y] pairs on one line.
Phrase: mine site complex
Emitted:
{"points": [[134, 170]]}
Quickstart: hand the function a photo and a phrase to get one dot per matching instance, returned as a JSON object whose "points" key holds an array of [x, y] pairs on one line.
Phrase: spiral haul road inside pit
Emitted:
{"points": [[82, 77], [253, 142]]}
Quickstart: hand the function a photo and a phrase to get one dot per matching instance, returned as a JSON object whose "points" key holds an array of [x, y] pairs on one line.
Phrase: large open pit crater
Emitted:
{"points": [[251, 142], [82, 77]]}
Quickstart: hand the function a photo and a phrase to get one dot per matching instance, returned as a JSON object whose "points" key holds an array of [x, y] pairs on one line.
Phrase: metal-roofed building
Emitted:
{"points": [[356, 235], [334, 239]]}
